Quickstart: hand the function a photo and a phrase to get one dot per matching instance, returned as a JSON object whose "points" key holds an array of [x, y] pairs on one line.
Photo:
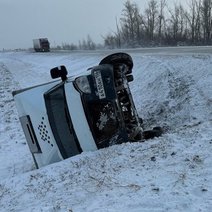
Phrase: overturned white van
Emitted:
{"points": [[62, 118]]}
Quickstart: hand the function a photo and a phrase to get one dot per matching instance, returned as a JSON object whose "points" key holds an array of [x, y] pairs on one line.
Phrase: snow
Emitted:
{"points": [[169, 173]]}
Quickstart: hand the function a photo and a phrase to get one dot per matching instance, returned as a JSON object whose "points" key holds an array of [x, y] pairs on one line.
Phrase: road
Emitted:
{"points": [[174, 50]]}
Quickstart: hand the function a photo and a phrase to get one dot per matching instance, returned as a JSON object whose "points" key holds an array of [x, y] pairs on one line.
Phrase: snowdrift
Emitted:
{"points": [[169, 173]]}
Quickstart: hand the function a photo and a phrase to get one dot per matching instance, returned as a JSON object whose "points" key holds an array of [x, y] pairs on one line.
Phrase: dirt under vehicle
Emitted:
{"points": [[94, 110]]}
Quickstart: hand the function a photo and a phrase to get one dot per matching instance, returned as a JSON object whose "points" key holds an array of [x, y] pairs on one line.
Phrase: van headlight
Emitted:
{"points": [[82, 84]]}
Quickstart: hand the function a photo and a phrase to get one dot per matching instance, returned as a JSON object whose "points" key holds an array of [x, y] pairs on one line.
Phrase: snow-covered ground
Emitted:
{"points": [[169, 173]]}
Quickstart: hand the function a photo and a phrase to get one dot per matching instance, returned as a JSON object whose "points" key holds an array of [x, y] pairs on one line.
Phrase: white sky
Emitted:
{"points": [[62, 21]]}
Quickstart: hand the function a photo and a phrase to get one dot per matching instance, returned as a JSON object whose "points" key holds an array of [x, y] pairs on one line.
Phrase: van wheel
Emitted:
{"points": [[130, 78], [118, 59], [155, 132]]}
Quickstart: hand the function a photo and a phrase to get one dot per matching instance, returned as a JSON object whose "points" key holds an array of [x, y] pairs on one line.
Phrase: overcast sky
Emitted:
{"points": [[62, 21]]}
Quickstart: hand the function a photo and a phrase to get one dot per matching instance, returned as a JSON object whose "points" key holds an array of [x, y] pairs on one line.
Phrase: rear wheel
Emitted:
{"points": [[130, 78], [155, 132], [117, 59]]}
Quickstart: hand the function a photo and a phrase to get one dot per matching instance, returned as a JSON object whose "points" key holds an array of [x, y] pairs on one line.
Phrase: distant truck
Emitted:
{"points": [[41, 45]]}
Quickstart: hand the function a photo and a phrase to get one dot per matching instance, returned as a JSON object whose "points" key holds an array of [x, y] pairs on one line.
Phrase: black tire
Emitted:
{"points": [[140, 120], [155, 132], [130, 78], [138, 137], [119, 58]]}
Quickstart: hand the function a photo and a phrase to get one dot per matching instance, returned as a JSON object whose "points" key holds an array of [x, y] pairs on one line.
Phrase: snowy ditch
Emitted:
{"points": [[169, 173]]}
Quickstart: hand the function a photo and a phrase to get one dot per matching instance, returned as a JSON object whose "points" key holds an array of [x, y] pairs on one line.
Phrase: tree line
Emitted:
{"points": [[160, 25], [157, 25], [85, 44]]}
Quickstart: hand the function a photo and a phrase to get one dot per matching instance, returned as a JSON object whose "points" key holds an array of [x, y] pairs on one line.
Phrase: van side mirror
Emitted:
{"points": [[59, 71]]}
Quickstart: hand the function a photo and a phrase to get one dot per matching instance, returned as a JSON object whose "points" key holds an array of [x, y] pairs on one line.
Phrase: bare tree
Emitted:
{"points": [[130, 22], [161, 18], [118, 35], [151, 14], [110, 41], [194, 20], [158, 24], [87, 44], [207, 20], [177, 23]]}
